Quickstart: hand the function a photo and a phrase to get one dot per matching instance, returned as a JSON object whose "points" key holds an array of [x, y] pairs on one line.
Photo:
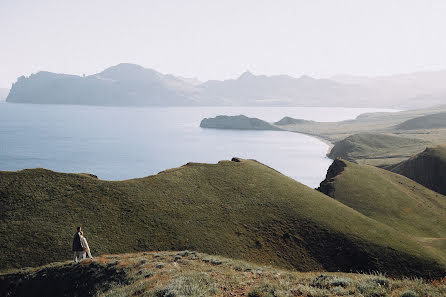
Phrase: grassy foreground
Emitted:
{"points": [[242, 210], [175, 274]]}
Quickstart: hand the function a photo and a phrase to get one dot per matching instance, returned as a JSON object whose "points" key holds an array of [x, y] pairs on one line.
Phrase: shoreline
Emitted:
{"points": [[320, 138]]}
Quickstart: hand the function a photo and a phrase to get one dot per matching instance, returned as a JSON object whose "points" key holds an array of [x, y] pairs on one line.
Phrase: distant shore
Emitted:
{"points": [[321, 138]]}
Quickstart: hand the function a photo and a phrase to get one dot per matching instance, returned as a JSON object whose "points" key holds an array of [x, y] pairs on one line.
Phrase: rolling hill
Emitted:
{"points": [[241, 209], [361, 146], [427, 168], [432, 121], [391, 199]]}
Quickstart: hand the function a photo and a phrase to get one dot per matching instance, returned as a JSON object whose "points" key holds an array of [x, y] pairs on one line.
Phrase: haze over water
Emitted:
{"points": [[118, 143]]}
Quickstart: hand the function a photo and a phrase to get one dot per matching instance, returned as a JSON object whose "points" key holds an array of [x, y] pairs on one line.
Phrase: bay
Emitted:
{"points": [[117, 143]]}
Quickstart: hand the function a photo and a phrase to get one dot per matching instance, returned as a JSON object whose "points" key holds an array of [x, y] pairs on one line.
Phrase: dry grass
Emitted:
{"points": [[175, 274]]}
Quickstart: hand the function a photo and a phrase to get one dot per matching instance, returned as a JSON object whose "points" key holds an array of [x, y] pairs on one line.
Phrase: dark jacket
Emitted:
{"points": [[77, 246]]}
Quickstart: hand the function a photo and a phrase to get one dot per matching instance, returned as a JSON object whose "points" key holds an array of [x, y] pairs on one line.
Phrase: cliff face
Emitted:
{"points": [[327, 185]]}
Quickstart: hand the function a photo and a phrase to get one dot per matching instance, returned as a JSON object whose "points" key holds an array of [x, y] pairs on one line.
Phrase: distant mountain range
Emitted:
{"points": [[134, 85]]}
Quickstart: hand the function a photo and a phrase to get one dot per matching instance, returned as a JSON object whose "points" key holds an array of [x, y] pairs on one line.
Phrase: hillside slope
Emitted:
{"points": [[432, 121], [427, 168], [361, 146], [391, 199], [188, 273], [240, 209]]}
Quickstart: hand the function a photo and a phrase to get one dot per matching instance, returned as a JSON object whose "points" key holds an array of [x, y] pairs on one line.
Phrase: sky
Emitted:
{"points": [[210, 39]]}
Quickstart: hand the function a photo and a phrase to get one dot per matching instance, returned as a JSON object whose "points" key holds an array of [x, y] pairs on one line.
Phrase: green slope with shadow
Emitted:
{"points": [[432, 121], [367, 146], [240, 209], [427, 168], [391, 199]]}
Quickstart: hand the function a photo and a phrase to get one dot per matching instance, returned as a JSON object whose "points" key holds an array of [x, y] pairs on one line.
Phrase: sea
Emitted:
{"points": [[117, 143]]}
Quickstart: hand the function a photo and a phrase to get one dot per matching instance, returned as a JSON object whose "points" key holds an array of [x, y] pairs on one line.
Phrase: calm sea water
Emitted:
{"points": [[118, 143]]}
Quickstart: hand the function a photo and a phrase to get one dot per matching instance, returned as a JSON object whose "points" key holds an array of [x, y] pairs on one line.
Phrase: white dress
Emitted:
{"points": [[84, 244]]}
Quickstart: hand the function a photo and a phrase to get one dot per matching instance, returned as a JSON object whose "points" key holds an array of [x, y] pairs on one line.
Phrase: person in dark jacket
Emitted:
{"points": [[78, 249]]}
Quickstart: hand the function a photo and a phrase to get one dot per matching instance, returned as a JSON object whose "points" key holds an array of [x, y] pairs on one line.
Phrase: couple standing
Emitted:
{"points": [[80, 246]]}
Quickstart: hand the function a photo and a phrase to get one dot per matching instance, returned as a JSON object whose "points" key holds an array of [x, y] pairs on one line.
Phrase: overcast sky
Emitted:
{"points": [[220, 39]]}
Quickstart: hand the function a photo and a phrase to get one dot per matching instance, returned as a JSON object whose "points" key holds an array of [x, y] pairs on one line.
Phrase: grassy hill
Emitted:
{"points": [[191, 274], [243, 210], [427, 168], [431, 121], [392, 199], [364, 147]]}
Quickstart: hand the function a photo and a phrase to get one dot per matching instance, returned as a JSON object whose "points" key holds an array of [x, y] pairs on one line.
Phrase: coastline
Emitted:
{"points": [[318, 137]]}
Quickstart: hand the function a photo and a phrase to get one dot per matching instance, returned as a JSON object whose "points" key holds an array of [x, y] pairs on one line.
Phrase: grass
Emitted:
{"points": [[138, 274], [432, 121], [426, 168], [394, 200], [364, 147], [242, 210]]}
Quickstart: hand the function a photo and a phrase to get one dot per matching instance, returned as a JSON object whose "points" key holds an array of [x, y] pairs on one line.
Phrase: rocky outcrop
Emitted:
{"points": [[336, 168]]}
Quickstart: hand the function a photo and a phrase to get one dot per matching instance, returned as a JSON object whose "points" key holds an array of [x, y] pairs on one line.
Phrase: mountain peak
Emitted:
{"points": [[246, 74]]}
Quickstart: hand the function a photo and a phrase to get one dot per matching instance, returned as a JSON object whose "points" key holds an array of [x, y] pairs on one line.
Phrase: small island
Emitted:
{"points": [[239, 122]]}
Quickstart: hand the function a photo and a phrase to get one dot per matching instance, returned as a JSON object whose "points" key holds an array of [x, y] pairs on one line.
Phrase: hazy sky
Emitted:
{"points": [[220, 39]]}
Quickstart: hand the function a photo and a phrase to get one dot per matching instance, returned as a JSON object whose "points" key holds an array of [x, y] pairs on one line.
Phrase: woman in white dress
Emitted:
{"points": [[84, 244]]}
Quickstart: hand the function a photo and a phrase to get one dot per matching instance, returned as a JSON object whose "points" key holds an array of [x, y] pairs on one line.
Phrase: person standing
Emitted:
{"points": [[78, 250], [84, 244]]}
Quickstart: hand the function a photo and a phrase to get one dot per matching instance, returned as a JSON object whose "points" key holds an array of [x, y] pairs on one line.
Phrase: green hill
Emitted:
{"points": [[369, 146], [240, 209], [427, 168], [432, 121], [184, 273], [391, 199]]}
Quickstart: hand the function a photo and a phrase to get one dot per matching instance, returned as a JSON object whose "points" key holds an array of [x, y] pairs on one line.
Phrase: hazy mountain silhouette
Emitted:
{"points": [[134, 85], [284, 90], [409, 90], [120, 85]]}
